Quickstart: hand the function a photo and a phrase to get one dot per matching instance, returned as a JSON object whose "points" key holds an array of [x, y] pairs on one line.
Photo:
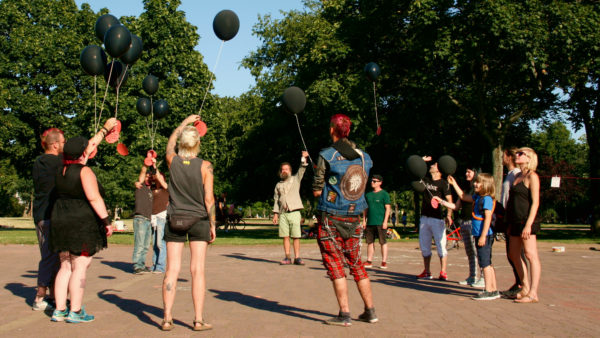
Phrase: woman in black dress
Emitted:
{"points": [[521, 215], [80, 225]]}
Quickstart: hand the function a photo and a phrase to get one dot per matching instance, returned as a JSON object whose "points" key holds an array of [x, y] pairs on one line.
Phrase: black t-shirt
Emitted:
{"points": [[439, 188], [143, 201], [45, 168]]}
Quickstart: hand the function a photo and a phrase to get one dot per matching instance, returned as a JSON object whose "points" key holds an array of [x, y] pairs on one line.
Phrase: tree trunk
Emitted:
{"points": [[498, 171]]}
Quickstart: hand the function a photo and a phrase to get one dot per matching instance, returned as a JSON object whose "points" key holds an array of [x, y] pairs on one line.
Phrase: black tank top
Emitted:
{"points": [[519, 203], [186, 191]]}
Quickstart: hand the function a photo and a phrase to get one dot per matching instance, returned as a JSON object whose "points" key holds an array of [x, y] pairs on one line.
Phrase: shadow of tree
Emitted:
{"points": [[267, 305], [137, 308]]}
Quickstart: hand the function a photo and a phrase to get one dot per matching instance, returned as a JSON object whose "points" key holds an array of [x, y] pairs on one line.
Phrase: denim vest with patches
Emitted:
{"points": [[345, 183]]}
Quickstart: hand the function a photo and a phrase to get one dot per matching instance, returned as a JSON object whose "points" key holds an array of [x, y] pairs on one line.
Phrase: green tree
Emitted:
{"points": [[575, 67]]}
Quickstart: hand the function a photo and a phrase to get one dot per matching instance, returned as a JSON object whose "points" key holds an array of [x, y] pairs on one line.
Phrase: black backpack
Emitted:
{"points": [[498, 225]]}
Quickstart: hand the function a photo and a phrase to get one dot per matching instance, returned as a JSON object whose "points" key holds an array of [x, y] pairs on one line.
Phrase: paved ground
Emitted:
{"points": [[250, 294]]}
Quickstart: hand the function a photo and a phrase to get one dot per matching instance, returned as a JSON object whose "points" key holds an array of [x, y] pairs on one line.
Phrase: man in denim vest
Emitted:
{"points": [[339, 183]]}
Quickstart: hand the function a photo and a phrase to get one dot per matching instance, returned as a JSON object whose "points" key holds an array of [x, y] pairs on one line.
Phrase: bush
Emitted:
{"points": [[549, 216]]}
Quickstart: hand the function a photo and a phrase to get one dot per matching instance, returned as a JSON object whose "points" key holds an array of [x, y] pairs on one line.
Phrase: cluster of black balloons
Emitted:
{"points": [[119, 42], [417, 167], [144, 105]]}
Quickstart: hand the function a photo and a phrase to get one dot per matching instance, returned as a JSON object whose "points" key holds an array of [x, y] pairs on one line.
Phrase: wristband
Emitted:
{"points": [[105, 221], [104, 129]]}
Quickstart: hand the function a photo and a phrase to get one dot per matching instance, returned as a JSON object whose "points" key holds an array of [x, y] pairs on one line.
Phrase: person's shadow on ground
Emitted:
{"points": [[243, 257], [123, 266], [135, 307], [427, 285], [25, 292], [267, 305]]}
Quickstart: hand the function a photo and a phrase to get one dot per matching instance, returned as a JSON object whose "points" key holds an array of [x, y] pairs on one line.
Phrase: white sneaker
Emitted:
{"points": [[468, 281], [42, 305], [480, 283]]}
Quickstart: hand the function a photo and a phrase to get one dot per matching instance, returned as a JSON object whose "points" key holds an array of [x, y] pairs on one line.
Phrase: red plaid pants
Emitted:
{"points": [[333, 259]]}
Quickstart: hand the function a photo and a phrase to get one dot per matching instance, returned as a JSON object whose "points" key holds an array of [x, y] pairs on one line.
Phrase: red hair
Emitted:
{"points": [[341, 125], [50, 136]]}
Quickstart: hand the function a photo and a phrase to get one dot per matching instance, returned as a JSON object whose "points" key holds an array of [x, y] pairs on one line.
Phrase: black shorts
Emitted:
{"points": [[516, 228], [200, 231], [484, 253], [370, 232]]}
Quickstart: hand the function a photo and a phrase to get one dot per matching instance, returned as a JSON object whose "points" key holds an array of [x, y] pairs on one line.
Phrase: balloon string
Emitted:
{"points": [[118, 88], [302, 137], [375, 102], [425, 185], [105, 92], [95, 106], [211, 77]]}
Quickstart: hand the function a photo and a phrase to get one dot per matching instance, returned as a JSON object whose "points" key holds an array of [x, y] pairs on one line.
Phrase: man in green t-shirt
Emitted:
{"points": [[377, 216]]}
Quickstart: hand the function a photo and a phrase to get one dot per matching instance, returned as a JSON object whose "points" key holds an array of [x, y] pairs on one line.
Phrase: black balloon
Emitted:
{"points": [[294, 100], [117, 41], [144, 107], [416, 166], [118, 77], [150, 84], [418, 186], [226, 24], [447, 165], [93, 60], [161, 109], [103, 24], [372, 71], [134, 52]]}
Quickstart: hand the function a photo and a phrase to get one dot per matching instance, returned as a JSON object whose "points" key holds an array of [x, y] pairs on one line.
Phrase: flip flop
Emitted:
{"points": [[203, 326], [151, 153], [526, 299], [113, 134], [167, 325], [200, 127], [122, 149]]}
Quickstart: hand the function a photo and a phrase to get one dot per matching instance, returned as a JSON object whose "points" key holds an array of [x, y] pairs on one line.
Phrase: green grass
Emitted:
{"points": [[268, 235]]}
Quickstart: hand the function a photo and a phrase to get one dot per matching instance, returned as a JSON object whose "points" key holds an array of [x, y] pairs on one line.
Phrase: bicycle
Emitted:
{"points": [[454, 238], [234, 222]]}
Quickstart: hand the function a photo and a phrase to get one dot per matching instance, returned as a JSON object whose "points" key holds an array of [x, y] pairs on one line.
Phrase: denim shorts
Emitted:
{"points": [[484, 253]]}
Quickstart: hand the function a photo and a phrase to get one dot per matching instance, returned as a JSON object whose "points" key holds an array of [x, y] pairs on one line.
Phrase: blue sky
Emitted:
{"points": [[231, 80]]}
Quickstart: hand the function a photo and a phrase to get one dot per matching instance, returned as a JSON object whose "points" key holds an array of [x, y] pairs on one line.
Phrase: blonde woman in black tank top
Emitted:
{"points": [[190, 193], [522, 208]]}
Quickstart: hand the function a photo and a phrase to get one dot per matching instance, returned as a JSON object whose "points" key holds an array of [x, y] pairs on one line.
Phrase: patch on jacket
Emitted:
{"points": [[354, 182]]}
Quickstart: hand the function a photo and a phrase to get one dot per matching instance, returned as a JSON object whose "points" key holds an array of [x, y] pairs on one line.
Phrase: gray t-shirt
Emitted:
{"points": [[186, 190], [508, 182]]}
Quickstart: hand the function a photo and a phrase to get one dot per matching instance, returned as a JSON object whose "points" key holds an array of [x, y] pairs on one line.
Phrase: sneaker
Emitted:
{"points": [[157, 272], [368, 264], [342, 319], [487, 295], [140, 271], [468, 281], [512, 292], [443, 275], [480, 283], [42, 305], [59, 316], [369, 316], [384, 265], [298, 261], [424, 275], [285, 261], [81, 317]]}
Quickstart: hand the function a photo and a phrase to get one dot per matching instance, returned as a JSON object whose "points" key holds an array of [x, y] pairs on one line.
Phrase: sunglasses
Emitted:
{"points": [[520, 153], [375, 181]]}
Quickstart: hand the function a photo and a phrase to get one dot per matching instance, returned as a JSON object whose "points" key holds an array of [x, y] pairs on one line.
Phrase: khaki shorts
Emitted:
{"points": [[289, 224]]}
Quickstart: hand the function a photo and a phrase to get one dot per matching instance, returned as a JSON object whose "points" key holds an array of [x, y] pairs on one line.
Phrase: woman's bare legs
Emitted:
{"points": [[198, 250], [79, 266], [174, 250], [516, 245], [61, 283], [531, 253]]}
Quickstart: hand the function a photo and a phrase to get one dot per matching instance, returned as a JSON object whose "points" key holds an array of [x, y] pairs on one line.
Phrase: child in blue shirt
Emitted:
{"points": [[483, 208]]}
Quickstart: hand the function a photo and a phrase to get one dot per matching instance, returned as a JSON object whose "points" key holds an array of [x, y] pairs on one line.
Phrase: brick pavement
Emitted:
{"points": [[250, 294]]}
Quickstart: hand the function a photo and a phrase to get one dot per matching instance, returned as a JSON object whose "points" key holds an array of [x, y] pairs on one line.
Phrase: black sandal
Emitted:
{"points": [[203, 326]]}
